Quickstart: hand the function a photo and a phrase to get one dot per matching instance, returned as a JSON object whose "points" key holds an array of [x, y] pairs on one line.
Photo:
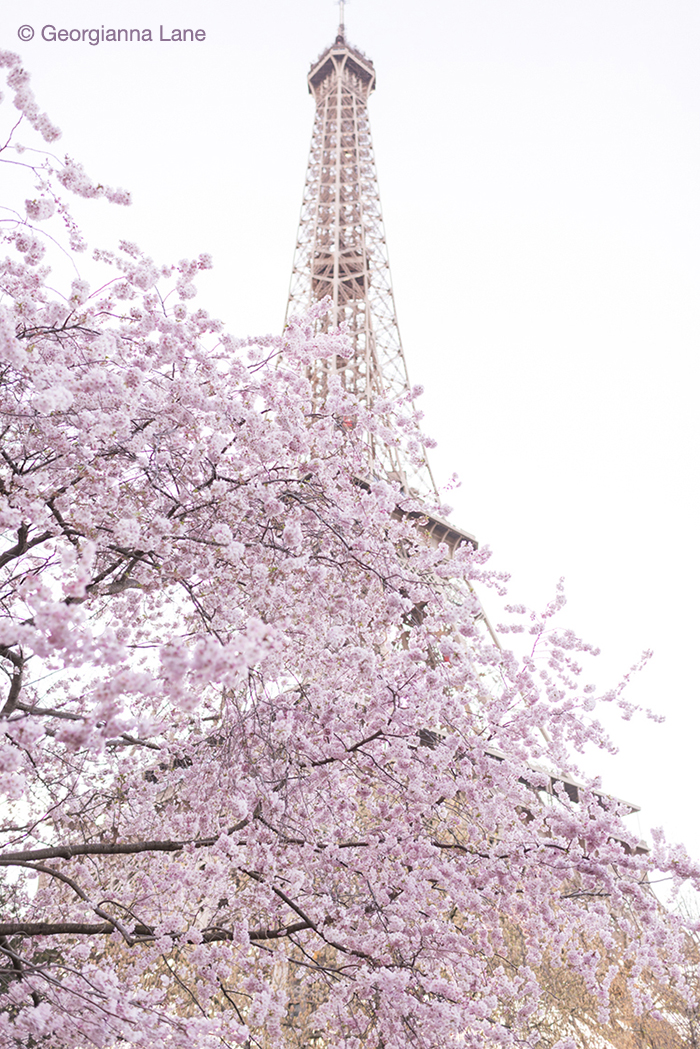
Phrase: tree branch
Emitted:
{"points": [[67, 852], [23, 544], [141, 932], [17, 660]]}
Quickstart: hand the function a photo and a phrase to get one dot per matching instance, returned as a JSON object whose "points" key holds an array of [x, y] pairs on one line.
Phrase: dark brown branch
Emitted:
{"points": [[67, 852], [72, 534], [305, 918], [273, 934], [50, 712], [133, 741], [17, 964], [54, 331], [140, 931], [348, 750], [282, 896], [23, 544], [55, 928], [115, 923], [17, 661]]}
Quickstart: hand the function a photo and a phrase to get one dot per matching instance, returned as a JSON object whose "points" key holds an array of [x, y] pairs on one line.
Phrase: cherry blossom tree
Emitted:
{"points": [[267, 781]]}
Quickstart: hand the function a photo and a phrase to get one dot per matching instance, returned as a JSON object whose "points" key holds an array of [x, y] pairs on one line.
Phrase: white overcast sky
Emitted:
{"points": [[539, 171]]}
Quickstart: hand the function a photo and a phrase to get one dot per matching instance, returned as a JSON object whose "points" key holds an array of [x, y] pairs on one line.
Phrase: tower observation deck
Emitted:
{"points": [[341, 254]]}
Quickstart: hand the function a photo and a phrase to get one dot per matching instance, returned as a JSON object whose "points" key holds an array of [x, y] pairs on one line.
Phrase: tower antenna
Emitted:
{"points": [[341, 20]]}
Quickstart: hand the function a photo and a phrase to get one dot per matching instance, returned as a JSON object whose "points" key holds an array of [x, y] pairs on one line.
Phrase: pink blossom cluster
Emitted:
{"points": [[38, 210], [18, 80], [31, 246], [74, 178]]}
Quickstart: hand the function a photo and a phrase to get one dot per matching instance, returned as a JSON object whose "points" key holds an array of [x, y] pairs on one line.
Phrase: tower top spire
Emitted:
{"points": [[340, 39]]}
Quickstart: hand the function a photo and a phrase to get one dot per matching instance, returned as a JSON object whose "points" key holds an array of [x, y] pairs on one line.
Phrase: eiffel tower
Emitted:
{"points": [[341, 254]]}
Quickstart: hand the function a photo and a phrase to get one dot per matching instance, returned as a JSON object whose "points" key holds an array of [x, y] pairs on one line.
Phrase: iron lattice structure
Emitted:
{"points": [[341, 253]]}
